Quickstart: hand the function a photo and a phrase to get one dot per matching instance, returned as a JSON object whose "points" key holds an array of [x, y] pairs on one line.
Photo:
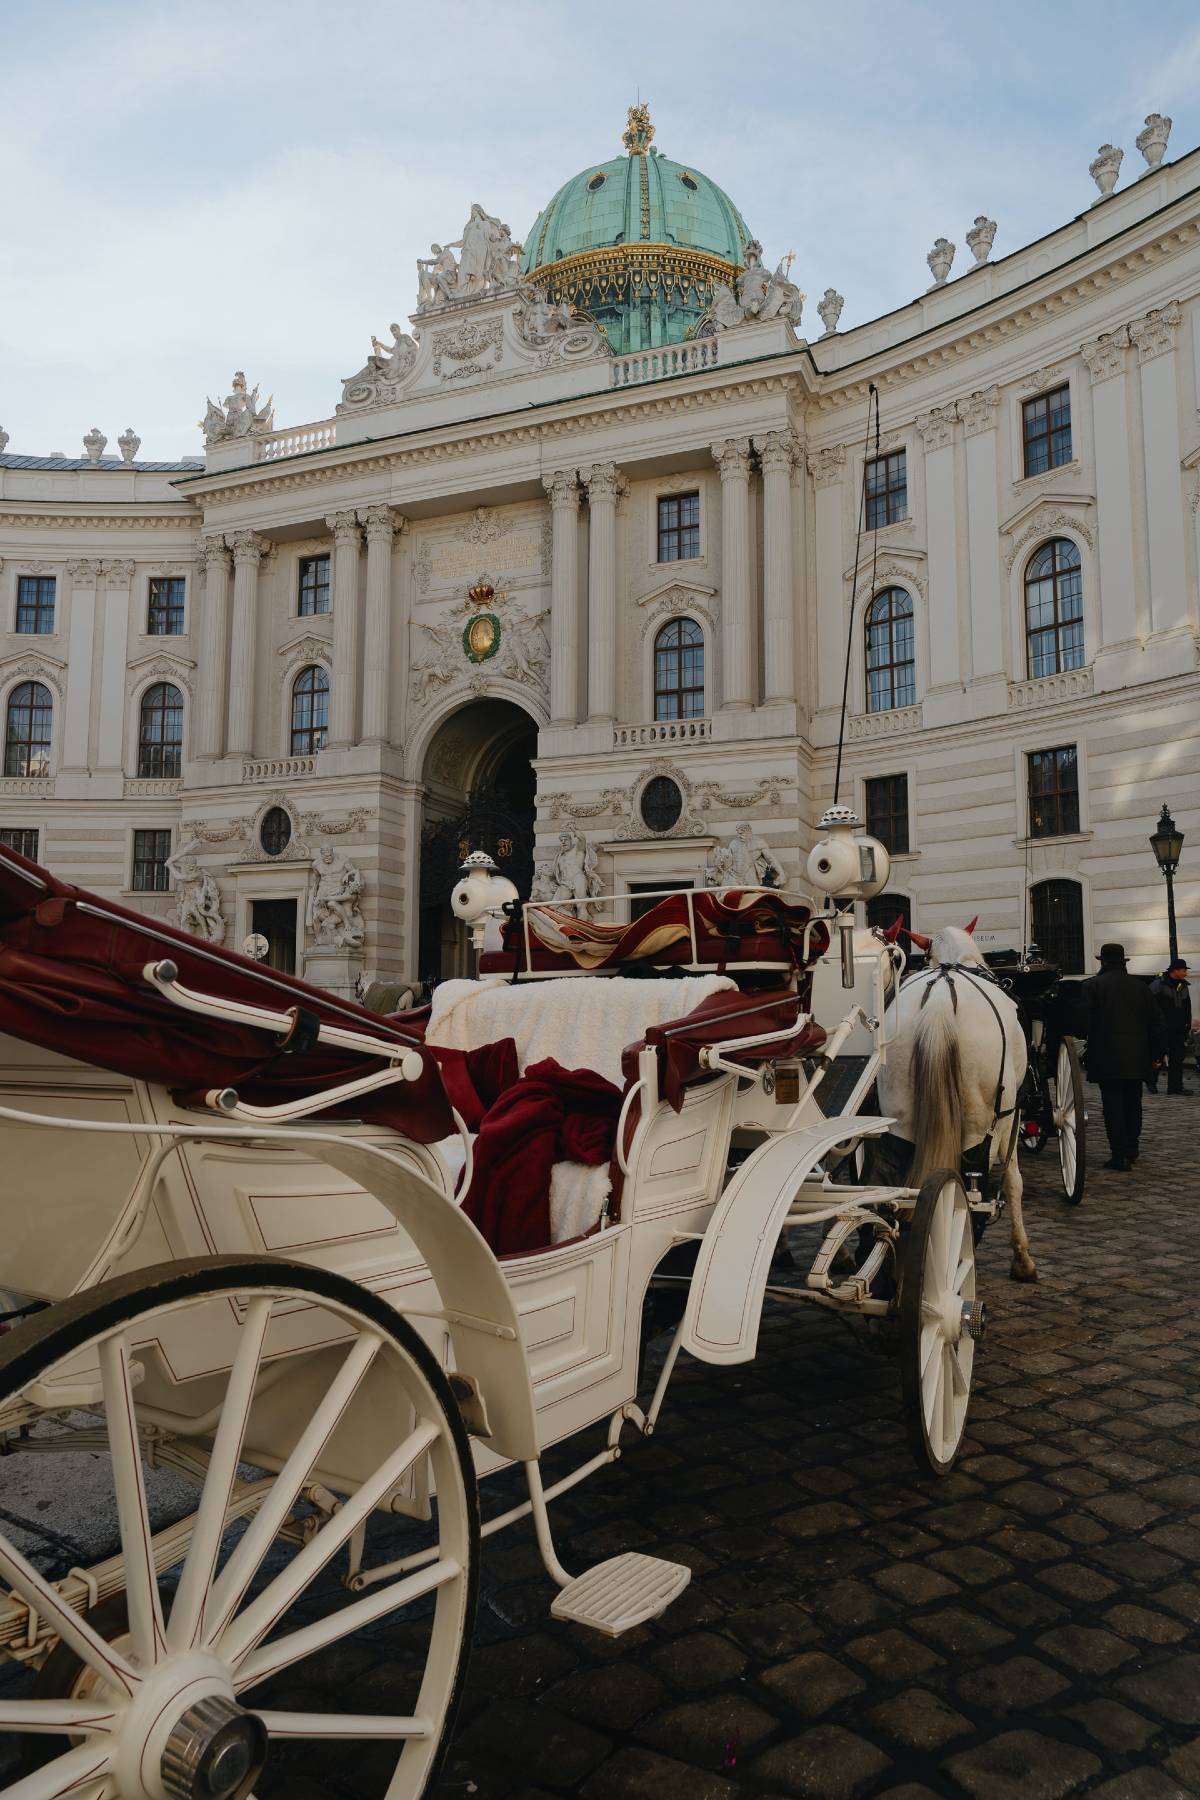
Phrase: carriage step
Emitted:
{"points": [[622, 1592]]}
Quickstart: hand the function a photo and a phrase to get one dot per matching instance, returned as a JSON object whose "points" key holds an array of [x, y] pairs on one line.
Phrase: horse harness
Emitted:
{"points": [[977, 979]]}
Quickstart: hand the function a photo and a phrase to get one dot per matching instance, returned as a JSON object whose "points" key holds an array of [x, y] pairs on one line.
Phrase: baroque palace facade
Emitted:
{"points": [[570, 572]]}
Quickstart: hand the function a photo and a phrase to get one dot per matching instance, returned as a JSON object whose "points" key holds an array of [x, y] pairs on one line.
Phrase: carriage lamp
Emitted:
{"points": [[1167, 845], [848, 866], [479, 898]]}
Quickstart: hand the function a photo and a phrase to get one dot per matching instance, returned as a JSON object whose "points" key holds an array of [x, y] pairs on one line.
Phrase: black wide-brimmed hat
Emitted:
{"points": [[1110, 954]]}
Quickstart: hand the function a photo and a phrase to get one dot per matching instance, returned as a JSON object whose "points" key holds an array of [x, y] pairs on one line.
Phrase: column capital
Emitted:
{"points": [[732, 457], [84, 571], [345, 527], [604, 481], [978, 410], [1105, 355], [213, 552], [825, 465], [118, 573], [1154, 335], [381, 523], [937, 426], [562, 488], [777, 450], [249, 547]]}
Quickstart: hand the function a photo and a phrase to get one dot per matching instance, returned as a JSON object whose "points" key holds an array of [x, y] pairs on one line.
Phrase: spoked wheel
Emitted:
{"points": [[1070, 1117], [940, 1319], [300, 1453]]}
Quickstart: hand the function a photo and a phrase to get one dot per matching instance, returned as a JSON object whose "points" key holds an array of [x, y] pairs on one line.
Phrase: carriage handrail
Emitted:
{"points": [[712, 1056], [164, 977]]}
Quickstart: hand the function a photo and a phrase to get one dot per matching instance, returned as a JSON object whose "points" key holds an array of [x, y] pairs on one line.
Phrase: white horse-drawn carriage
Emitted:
{"points": [[334, 1270]]}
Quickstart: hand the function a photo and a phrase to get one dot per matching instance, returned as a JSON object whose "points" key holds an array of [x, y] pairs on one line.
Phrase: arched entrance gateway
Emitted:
{"points": [[478, 794]]}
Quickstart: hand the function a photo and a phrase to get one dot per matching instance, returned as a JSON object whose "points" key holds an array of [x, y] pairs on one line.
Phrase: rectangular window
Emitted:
{"points": [[21, 838], [314, 586], [1053, 792], [887, 812], [887, 489], [678, 527], [1046, 422], [165, 615], [35, 604], [150, 852]]}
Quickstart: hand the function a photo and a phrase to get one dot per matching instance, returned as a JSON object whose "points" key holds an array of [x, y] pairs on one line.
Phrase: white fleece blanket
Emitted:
{"points": [[584, 1024]]}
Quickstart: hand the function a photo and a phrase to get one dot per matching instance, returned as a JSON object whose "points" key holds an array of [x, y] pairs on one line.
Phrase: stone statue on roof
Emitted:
{"points": [[239, 415]]}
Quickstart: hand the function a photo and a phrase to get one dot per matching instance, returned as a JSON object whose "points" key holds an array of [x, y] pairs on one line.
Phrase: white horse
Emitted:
{"points": [[954, 1069]]}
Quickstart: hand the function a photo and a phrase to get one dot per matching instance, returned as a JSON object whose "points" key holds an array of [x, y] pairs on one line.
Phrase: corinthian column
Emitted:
{"points": [[214, 632], [605, 487], [343, 701], [777, 456], [732, 457], [248, 551], [563, 490], [381, 523]]}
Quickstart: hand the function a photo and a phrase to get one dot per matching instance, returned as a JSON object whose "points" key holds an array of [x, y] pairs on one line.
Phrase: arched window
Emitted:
{"points": [[1057, 909], [885, 909], [27, 730], [160, 733], [891, 664], [679, 671], [1054, 608], [310, 711]]}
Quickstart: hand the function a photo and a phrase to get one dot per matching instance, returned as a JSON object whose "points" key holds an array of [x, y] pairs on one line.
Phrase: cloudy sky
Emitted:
{"points": [[245, 184]]}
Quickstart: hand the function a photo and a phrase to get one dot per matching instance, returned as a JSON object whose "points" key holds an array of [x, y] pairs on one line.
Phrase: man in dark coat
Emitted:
{"points": [[1123, 1025], [1171, 991]]}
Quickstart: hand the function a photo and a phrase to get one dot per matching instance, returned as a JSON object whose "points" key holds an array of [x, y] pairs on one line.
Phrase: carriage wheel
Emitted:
{"points": [[171, 1696], [1070, 1116], [940, 1319]]}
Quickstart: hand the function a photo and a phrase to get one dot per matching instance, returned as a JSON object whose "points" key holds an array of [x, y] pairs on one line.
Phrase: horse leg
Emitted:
{"points": [[1023, 1267]]}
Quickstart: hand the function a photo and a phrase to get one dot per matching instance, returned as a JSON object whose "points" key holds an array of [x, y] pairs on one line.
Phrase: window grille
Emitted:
{"points": [[678, 527], [27, 730], [1054, 608], [150, 852], [1057, 917], [1046, 422], [314, 586], [164, 617], [887, 812], [21, 838], [160, 733], [891, 654], [310, 711], [1053, 792], [35, 604], [679, 670], [887, 489]]}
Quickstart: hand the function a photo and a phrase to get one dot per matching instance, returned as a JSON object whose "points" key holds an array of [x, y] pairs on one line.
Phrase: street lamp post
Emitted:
{"points": [[1167, 845]]}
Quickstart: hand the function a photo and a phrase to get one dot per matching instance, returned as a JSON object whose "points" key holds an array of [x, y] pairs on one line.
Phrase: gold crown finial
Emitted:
{"points": [[638, 132]]}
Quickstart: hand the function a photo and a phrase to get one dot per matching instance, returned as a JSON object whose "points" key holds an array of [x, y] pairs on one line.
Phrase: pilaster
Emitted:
{"points": [[248, 551], [937, 428], [777, 458], [214, 637], [1154, 338], [84, 576], [1106, 359], [732, 457], [979, 412], [563, 489], [343, 701], [114, 659], [381, 523], [605, 486]]}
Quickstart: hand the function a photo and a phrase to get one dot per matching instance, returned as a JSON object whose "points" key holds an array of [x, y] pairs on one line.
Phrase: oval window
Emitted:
{"points": [[690, 182], [275, 832], [661, 803], [597, 182]]}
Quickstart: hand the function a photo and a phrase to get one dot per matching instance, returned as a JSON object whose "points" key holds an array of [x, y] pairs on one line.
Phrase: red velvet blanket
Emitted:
{"points": [[551, 1115]]}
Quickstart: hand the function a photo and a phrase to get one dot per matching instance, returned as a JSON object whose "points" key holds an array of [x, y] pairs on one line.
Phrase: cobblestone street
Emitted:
{"points": [[1025, 1629], [1029, 1626]]}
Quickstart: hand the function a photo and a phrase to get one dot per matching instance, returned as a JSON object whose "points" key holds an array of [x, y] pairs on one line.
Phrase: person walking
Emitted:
{"points": [[1126, 1035], [1170, 990]]}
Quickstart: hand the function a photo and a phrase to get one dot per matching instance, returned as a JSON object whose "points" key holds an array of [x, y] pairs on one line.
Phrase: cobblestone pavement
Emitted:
{"points": [[1027, 1627]]}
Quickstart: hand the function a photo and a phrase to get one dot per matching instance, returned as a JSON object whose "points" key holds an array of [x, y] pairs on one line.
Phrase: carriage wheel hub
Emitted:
{"points": [[216, 1751]]}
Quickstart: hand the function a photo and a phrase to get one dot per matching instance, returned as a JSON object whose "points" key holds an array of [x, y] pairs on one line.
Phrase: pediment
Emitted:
{"points": [[676, 590], [894, 555], [1054, 501]]}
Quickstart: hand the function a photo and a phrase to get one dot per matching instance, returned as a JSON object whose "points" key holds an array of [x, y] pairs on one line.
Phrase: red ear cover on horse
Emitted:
{"points": [[974, 922], [894, 929], [918, 938]]}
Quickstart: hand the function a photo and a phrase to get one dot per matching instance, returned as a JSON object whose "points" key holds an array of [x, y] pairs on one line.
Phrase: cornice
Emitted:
{"points": [[185, 517]]}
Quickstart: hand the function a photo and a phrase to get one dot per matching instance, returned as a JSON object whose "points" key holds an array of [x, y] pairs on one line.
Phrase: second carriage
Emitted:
{"points": [[1053, 1102]]}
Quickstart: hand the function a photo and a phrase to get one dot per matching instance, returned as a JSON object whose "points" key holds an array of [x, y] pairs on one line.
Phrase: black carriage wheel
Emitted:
{"points": [[222, 1625], [1070, 1115], [939, 1319]]}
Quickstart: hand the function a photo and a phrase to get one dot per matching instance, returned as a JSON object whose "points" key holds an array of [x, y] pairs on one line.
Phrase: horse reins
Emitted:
{"points": [[946, 972]]}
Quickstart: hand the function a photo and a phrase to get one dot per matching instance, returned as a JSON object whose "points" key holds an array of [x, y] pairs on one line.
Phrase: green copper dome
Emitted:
{"points": [[637, 242]]}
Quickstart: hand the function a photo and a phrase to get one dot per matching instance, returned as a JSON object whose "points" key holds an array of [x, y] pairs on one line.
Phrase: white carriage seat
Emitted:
{"points": [[581, 1023]]}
